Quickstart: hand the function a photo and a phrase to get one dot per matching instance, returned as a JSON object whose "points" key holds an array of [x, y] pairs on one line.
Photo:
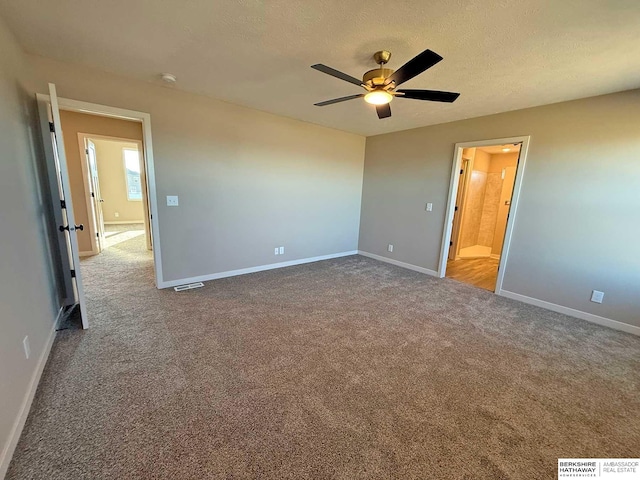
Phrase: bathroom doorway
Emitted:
{"points": [[483, 198]]}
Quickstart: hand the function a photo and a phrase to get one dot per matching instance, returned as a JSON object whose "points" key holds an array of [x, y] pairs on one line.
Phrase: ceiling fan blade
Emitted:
{"points": [[383, 111], [415, 66], [338, 100], [336, 73], [431, 95]]}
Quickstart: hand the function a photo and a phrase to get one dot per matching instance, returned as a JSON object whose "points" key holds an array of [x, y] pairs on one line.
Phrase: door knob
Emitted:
{"points": [[62, 228]]}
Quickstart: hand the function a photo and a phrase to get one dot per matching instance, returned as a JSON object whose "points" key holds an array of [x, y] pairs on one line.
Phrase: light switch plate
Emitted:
{"points": [[429, 207], [172, 200]]}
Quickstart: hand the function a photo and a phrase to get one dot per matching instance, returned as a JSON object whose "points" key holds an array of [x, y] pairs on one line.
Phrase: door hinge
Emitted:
{"points": [[98, 235], [451, 244], [86, 150], [461, 172], [52, 127], [73, 273], [93, 195], [456, 209], [63, 204]]}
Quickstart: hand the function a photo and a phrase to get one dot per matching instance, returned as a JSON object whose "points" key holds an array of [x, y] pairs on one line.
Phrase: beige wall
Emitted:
{"points": [[247, 181], [499, 162], [503, 208], [481, 161], [579, 199], [474, 199], [113, 185], [473, 203], [29, 298], [72, 124], [490, 209]]}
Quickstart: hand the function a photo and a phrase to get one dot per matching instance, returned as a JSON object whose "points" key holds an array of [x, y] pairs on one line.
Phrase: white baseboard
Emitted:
{"points": [[124, 222], [494, 256], [18, 425], [260, 268], [398, 263], [589, 317]]}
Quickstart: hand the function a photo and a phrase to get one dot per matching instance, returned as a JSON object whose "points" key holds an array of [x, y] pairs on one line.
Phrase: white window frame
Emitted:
{"points": [[126, 177]]}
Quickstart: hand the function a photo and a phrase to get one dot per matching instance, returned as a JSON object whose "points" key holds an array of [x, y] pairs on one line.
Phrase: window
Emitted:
{"points": [[132, 174]]}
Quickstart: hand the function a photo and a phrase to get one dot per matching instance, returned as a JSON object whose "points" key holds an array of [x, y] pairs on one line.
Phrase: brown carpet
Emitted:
{"points": [[344, 369]]}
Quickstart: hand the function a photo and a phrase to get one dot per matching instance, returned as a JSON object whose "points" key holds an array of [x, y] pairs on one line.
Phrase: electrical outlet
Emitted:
{"points": [[390, 248], [597, 296], [27, 348], [281, 250], [429, 207], [116, 214], [172, 200], [276, 251]]}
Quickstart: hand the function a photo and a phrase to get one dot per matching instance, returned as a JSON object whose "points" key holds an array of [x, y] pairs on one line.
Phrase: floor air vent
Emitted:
{"points": [[189, 286]]}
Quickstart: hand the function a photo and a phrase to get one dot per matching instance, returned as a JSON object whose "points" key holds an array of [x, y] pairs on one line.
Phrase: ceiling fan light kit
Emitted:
{"points": [[381, 83], [378, 97]]}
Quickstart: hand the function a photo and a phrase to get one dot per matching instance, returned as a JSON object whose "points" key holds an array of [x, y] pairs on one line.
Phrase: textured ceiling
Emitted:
{"points": [[500, 54]]}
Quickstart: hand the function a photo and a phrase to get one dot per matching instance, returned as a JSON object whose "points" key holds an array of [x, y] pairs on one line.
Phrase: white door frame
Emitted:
{"points": [[89, 189], [145, 119], [453, 190]]}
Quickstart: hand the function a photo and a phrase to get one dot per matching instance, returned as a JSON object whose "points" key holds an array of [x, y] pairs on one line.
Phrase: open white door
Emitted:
{"points": [[96, 196], [62, 203]]}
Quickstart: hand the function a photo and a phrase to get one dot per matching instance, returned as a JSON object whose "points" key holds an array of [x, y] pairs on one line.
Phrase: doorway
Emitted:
{"points": [[484, 188], [113, 170], [50, 108]]}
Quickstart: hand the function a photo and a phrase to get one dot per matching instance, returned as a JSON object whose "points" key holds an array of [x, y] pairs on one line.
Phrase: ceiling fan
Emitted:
{"points": [[381, 83]]}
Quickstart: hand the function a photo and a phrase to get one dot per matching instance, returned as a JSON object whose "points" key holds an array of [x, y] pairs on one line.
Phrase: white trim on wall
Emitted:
{"points": [[18, 425], [398, 263], [453, 189], [260, 268], [572, 312], [145, 119]]}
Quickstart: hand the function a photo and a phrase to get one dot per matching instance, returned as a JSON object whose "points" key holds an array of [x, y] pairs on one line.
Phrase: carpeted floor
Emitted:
{"points": [[119, 233], [344, 369]]}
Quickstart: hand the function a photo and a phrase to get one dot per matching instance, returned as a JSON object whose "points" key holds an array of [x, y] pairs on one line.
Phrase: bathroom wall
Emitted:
{"points": [[490, 204], [503, 209], [507, 162], [485, 212], [474, 201]]}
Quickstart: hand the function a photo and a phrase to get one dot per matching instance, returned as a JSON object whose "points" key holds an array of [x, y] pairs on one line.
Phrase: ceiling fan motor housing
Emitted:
{"points": [[376, 76]]}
